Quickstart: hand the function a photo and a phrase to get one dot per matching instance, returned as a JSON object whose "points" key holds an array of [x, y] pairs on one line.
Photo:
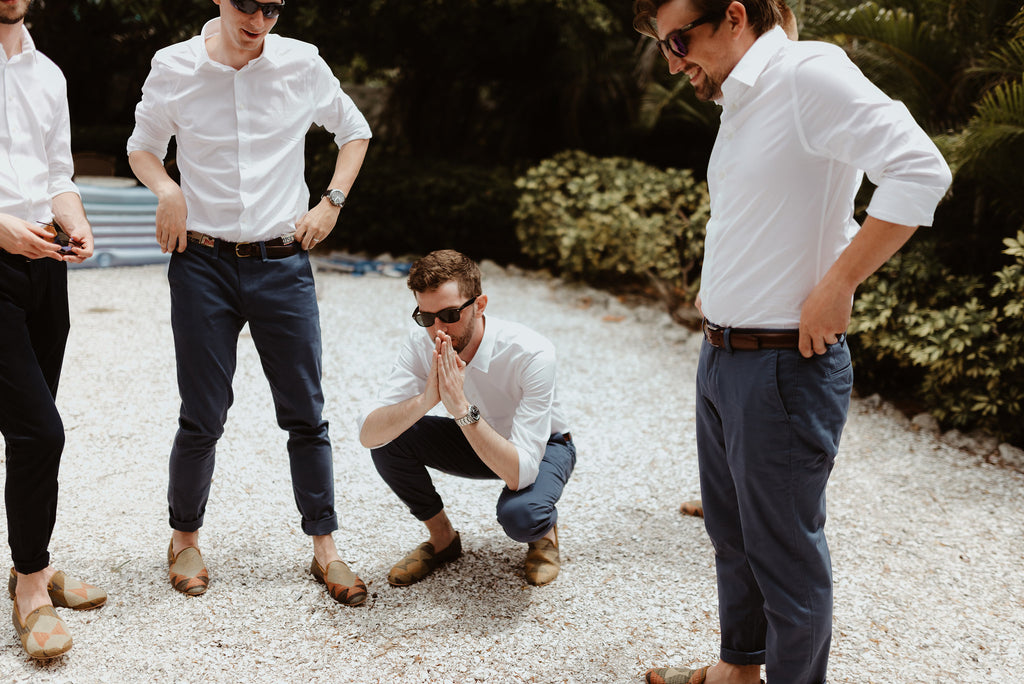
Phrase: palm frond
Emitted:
{"points": [[993, 141]]}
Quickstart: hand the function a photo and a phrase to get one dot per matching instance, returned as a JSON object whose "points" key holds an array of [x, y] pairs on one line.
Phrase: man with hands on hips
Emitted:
{"points": [[240, 100], [497, 381]]}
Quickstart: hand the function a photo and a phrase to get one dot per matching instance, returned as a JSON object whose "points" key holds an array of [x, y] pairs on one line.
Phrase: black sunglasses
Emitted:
{"points": [[677, 42], [270, 10], [450, 315]]}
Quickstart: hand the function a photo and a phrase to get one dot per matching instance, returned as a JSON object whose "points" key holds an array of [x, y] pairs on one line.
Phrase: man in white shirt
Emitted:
{"points": [[496, 379], [240, 101], [35, 190], [783, 258]]}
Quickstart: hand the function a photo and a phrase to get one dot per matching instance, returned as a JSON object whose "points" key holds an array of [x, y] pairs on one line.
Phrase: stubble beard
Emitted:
{"points": [[13, 16]]}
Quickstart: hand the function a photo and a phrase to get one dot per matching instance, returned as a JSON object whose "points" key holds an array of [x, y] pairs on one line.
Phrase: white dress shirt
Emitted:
{"points": [[800, 126], [241, 133], [35, 134], [511, 379]]}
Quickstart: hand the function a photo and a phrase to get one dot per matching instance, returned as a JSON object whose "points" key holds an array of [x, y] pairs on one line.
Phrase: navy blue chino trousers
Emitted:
{"points": [[437, 442], [768, 430], [213, 294], [34, 325]]}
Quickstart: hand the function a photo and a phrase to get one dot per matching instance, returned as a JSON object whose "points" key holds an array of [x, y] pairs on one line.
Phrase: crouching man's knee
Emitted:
{"points": [[524, 519]]}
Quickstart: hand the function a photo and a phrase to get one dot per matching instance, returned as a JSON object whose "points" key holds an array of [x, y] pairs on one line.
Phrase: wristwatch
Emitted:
{"points": [[335, 197], [470, 418]]}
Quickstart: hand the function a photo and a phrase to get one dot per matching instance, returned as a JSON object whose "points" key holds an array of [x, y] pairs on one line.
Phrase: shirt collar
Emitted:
{"points": [[482, 358], [271, 48], [753, 63], [28, 47]]}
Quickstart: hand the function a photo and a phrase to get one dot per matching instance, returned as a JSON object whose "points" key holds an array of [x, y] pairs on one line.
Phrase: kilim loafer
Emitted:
{"points": [[188, 571], [694, 508], [66, 592], [43, 634], [422, 561], [343, 584], [678, 675], [543, 561]]}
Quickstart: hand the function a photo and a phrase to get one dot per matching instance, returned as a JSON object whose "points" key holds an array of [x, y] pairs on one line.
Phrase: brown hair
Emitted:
{"points": [[761, 14], [441, 266]]}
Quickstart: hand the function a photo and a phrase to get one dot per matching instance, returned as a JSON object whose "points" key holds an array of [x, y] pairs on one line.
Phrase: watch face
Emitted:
{"points": [[337, 197]]}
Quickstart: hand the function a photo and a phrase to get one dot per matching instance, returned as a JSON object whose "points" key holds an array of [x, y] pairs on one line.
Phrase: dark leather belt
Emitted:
{"points": [[739, 339], [278, 248]]}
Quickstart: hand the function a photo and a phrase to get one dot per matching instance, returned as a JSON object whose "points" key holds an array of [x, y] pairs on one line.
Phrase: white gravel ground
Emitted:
{"points": [[927, 540]]}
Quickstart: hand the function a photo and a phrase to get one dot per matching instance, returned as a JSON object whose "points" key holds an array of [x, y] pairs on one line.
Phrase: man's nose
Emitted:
{"points": [[676, 64]]}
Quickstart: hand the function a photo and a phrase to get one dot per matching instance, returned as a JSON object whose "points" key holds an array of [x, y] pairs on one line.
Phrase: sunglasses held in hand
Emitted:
{"points": [[450, 315], [270, 10], [60, 237]]}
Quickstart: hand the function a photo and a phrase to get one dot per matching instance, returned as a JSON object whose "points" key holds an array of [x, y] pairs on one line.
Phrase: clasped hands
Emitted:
{"points": [[446, 377]]}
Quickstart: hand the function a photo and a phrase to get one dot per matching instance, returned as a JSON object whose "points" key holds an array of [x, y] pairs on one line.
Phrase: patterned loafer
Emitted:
{"points": [[66, 592], [543, 561], [694, 508], [422, 561], [344, 585], [188, 571], [43, 634], [678, 675]]}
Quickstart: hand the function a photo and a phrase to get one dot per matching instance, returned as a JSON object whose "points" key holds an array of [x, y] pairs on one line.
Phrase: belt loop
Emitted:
{"points": [[726, 342], [263, 250]]}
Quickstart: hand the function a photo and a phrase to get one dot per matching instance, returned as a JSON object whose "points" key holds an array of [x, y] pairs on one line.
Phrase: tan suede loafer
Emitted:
{"points": [[422, 561], [344, 585], [43, 634], [543, 561], [678, 675], [188, 571], [694, 508], [66, 592]]}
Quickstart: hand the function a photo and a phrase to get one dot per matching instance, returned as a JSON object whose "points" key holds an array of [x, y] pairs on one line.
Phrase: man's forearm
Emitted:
{"points": [[68, 209], [497, 453], [388, 422], [151, 172], [346, 168]]}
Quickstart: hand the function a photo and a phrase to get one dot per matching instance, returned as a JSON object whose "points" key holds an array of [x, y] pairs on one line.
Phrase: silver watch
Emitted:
{"points": [[471, 417], [335, 197]]}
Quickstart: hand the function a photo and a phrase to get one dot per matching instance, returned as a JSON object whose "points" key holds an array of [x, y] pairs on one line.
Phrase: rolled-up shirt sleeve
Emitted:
{"points": [[845, 116], [154, 125], [334, 109], [531, 424]]}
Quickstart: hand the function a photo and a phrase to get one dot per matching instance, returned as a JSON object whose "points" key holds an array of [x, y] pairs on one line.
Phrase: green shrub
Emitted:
{"points": [[613, 220], [959, 342]]}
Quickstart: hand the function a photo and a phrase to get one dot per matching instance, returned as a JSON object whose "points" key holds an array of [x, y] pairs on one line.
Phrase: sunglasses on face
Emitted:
{"points": [[677, 42], [270, 10], [450, 315]]}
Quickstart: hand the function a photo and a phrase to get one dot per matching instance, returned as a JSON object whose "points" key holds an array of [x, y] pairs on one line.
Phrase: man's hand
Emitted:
{"points": [[824, 316], [27, 239], [82, 247], [317, 224], [171, 212], [451, 371]]}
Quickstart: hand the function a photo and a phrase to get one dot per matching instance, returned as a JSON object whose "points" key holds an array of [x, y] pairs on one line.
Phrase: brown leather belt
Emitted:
{"points": [[278, 248], [739, 339]]}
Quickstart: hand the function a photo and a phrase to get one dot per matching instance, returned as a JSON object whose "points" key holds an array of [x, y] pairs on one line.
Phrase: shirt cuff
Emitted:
{"points": [[906, 203], [529, 468]]}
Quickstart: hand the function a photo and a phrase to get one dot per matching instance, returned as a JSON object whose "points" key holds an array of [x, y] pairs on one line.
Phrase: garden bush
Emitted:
{"points": [[956, 342], [613, 220]]}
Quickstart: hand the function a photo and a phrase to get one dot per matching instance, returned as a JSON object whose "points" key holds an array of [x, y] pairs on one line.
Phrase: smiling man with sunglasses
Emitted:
{"points": [[783, 256], [239, 100], [496, 380]]}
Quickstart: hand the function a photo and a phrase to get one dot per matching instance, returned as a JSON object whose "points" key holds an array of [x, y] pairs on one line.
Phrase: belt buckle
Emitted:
{"points": [[247, 245]]}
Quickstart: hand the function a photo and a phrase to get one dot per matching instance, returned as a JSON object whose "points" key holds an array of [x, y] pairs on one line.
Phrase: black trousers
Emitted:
{"points": [[34, 326]]}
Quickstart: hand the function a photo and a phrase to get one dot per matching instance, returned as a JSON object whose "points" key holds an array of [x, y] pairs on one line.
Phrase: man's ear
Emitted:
{"points": [[480, 304], [736, 16]]}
